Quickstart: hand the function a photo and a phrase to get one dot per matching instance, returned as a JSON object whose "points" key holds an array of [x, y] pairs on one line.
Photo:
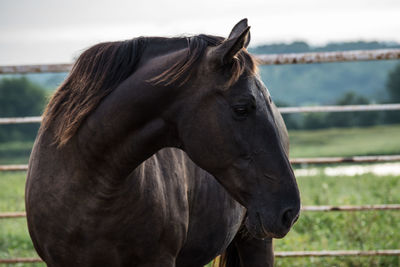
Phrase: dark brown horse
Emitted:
{"points": [[161, 152]]}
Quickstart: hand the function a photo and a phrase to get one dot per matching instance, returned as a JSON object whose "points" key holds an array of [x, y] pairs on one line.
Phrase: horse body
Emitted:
{"points": [[116, 188], [126, 224]]}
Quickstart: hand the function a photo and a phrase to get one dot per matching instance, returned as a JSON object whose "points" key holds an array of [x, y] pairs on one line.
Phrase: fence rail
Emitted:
{"points": [[355, 159], [283, 110], [14, 167], [279, 254], [44, 68], [18, 120], [349, 208], [20, 260], [320, 160], [327, 57], [347, 108], [352, 207], [12, 214], [270, 59], [335, 253]]}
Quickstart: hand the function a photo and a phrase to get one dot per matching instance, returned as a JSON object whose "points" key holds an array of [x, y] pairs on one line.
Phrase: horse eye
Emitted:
{"points": [[241, 110]]}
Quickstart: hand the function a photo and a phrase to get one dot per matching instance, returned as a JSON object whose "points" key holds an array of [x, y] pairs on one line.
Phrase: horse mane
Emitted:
{"points": [[102, 67]]}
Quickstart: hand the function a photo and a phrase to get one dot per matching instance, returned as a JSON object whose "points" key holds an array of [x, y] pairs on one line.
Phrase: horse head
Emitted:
{"points": [[231, 128]]}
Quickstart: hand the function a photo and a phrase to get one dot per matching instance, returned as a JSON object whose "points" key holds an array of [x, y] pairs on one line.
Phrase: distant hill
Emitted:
{"points": [[303, 47], [324, 83], [304, 83]]}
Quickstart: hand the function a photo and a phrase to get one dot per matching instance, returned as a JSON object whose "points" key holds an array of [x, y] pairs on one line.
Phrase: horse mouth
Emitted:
{"points": [[258, 230], [264, 230]]}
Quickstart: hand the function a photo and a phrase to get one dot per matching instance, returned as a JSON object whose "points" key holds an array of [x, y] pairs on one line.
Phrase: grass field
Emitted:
{"points": [[377, 140], [366, 230]]}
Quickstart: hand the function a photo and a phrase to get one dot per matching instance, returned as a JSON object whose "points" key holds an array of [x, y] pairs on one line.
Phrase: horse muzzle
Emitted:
{"points": [[265, 225]]}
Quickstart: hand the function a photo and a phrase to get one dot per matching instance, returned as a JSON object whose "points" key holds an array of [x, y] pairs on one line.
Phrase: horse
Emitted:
{"points": [[161, 152]]}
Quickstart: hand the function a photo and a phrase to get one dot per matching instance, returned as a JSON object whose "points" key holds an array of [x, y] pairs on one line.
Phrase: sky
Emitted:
{"points": [[53, 31]]}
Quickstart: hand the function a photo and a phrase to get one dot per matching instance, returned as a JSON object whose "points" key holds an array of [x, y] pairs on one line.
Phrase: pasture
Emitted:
{"points": [[364, 230]]}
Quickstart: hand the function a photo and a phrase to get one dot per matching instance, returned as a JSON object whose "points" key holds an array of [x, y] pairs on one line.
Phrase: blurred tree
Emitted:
{"points": [[393, 89], [314, 121], [19, 97], [351, 119], [393, 84], [292, 121]]}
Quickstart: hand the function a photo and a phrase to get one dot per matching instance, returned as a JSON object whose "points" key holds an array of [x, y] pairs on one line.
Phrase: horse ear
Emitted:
{"points": [[239, 38], [238, 29]]}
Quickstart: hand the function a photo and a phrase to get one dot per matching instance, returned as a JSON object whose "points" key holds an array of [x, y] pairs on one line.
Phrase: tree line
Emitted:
{"points": [[351, 119], [20, 97]]}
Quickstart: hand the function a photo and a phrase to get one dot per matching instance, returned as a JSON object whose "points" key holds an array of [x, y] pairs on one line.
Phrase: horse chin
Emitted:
{"points": [[257, 229]]}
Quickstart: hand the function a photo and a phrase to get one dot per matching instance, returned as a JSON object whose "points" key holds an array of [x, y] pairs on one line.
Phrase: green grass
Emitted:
{"points": [[377, 140], [16, 152], [14, 237], [364, 230]]}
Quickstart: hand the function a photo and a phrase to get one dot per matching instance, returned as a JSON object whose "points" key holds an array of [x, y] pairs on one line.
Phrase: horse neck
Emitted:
{"points": [[132, 122], [159, 46]]}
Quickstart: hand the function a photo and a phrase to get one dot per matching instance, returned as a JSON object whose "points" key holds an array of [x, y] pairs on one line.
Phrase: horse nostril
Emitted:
{"points": [[289, 217]]}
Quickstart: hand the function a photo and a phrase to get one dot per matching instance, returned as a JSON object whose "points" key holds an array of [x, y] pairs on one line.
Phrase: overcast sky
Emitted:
{"points": [[52, 31]]}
